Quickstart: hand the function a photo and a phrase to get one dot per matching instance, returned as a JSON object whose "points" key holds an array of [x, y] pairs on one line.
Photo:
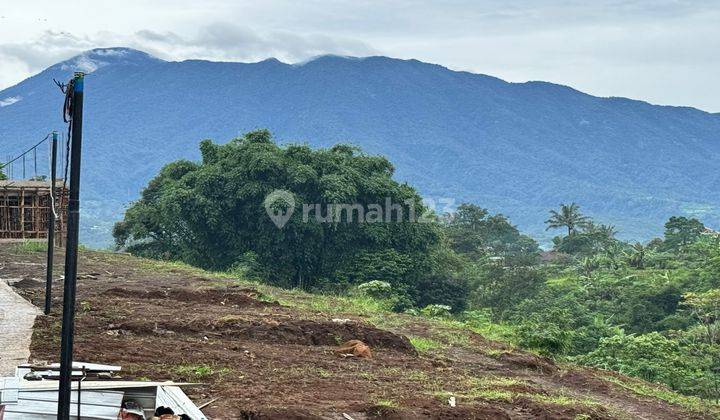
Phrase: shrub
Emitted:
{"points": [[376, 289], [436, 311], [441, 290], [547, 338]]}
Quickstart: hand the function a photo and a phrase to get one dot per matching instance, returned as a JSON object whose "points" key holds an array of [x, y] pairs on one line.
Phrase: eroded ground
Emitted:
{"points": [[269, 353]]}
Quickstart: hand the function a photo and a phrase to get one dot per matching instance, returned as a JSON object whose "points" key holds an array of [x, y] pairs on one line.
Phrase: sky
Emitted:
{"points": [[661, 51]]}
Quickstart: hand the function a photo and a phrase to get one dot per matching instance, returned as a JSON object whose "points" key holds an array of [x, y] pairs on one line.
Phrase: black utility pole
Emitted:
{"points": [[73, 224], [51, 226]]}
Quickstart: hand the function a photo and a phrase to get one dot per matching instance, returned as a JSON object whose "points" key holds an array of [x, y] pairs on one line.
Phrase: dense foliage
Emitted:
{"points": [[212, 214], [650, 310]]}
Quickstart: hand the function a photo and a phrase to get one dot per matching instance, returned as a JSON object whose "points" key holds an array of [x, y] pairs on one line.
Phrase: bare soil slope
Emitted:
{"points": [[269, 353]]}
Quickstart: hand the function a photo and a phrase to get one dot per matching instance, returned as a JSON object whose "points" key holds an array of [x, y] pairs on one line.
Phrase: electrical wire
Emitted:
{"points": [[20, 156], [52, 187]]}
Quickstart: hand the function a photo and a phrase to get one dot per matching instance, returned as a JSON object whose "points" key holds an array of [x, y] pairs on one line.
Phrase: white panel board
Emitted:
{"points": [[41, 405]]}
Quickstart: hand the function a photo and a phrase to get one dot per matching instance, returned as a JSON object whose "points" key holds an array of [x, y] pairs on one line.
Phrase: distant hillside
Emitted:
{"points": [[518, 149]]}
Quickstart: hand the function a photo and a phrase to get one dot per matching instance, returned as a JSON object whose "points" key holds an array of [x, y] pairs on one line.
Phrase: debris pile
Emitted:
{"points": [[98, 392]]}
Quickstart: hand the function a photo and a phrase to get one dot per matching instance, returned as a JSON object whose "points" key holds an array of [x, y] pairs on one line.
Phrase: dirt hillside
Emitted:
{"points": [[270, 353]]}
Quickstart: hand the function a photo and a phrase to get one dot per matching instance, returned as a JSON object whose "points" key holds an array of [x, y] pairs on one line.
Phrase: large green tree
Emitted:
{"points": [[213, 214], [681, 231], [2, 174]]}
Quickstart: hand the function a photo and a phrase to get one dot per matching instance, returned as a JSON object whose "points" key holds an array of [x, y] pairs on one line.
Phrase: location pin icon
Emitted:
{"points": [[280, 205]]}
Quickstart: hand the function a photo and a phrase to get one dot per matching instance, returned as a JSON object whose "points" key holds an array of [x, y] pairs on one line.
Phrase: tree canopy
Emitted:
{"points": [[212, 214]]}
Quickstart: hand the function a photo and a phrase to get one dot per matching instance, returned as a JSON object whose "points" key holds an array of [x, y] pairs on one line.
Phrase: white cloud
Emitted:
{"points": [[9, 101], [217, 41], [657, 50]]}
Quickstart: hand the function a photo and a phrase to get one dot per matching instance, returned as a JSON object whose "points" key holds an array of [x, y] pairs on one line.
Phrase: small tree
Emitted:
{"points": [[2, 174], [706, 308], [636, 256]]}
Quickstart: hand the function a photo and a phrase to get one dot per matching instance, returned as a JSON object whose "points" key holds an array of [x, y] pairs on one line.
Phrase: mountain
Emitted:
{"points": [[515, 148]]}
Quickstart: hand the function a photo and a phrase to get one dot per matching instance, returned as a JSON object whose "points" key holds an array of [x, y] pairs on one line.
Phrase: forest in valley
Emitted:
{"points": [[649, 310]]}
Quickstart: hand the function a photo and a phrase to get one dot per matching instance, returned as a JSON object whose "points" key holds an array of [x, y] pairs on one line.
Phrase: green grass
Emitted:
{"points": [[562, 400], [690, 403], [425, 345], [490, 394], [386, 402], [199, 372], [356, 305], [29, 247], [485, 382]]}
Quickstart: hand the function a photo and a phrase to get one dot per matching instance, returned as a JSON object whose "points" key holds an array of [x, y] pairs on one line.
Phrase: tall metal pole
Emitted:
{"points": [[68, 325], [51, 226]]}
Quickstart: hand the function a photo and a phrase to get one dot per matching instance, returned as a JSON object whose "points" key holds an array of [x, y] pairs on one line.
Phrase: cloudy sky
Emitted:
{"points": [[662, 51]]}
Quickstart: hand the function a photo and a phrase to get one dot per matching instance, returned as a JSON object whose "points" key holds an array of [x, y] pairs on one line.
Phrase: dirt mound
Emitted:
{"points": [[241, 297], [528, 360], [314, 333], [27, 283], [277, 413], [485, 412], [561, 412]]}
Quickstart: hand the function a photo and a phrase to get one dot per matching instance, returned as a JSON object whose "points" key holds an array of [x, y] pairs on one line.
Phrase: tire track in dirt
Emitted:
{"points": [[17, 317]]}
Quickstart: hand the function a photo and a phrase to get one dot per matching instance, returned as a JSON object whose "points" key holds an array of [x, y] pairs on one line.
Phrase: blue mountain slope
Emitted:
{"points": [[518, 149]]}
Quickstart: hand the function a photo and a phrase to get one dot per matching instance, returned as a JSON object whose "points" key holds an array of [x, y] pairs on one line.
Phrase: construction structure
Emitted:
{"points": [[25, 210]]}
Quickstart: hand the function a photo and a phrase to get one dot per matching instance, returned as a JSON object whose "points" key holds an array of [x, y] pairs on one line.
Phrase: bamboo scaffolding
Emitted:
{"points": [[25, 208]]}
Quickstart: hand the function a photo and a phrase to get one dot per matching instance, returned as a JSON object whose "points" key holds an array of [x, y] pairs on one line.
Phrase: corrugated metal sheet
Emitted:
{"points": [[90, 366], [42, 405], [37, 400], [96, 385], [9, 388], [175, 398], [143, 396]]}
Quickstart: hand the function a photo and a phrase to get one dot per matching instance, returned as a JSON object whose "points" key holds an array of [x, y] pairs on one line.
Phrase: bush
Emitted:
{"points": [[654, 357], [376, 289], [436, 311], [440, 290], [547, 338]]}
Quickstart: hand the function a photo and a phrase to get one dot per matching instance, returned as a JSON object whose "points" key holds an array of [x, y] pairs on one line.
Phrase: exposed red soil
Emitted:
{"points": [[269, 361]]}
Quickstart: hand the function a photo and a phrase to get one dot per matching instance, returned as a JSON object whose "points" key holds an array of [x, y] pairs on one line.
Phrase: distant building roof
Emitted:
{"points": [[22, 183]]}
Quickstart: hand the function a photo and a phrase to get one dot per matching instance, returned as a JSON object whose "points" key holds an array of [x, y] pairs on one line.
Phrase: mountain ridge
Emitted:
{"points": [[516, 148]]}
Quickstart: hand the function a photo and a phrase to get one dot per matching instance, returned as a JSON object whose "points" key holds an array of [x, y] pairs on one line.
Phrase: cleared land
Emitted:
{"points": [[269, 353]]}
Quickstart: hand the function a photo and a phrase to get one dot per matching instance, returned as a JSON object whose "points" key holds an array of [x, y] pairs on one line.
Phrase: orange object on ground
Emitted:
{"points": [[354, 348]]}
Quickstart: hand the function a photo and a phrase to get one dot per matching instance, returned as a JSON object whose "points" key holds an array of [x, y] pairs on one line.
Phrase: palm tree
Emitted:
{"points": [[569, 216], [636, 257], [608, 232]]}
